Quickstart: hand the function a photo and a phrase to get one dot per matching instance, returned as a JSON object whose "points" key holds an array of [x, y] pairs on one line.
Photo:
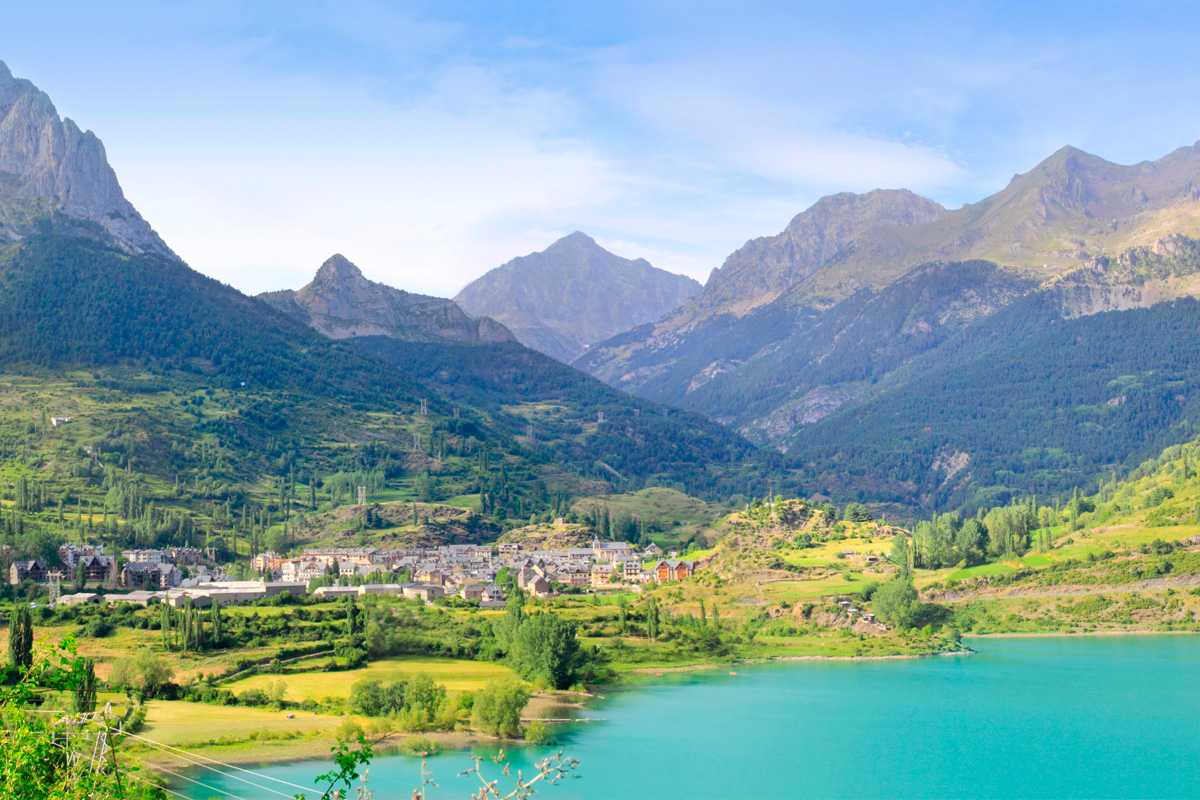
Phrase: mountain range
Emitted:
{"points": [[862, 296], [573, 294], [341, 303], [881, 349]]}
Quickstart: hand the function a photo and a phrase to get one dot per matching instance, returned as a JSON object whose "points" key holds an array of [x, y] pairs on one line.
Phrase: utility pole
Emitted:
{"points": [[424, 406], [362, 495]]}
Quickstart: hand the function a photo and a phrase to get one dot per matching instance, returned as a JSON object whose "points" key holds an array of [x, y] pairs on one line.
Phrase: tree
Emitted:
{"points": [[144, 671], [652, 618], [498, 706], [83, 698], [857, 512], [545, 646], [20, 639], [352, 621], [80, 577], [374, 699], [902, 554], [216, 625], [896, 602], [42, 758]]}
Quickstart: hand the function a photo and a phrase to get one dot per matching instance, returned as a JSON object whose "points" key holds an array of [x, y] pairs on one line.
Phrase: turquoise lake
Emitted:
{"points": [[1099, 717]]}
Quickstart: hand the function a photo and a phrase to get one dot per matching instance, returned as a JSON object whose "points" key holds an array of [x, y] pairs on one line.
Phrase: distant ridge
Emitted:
{"points": [[342, 303], [574, 294], [49, 167]]}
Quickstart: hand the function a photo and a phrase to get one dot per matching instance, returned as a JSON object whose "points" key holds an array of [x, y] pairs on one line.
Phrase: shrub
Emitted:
{"points": [[538, 733], [420, 746]]}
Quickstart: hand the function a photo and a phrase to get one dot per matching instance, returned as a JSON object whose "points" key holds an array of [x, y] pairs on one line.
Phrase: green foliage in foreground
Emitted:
{"points": [[43, 759]]}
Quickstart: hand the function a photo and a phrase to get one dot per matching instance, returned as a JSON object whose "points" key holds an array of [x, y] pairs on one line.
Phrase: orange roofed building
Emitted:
{"points": [[674, 570]]}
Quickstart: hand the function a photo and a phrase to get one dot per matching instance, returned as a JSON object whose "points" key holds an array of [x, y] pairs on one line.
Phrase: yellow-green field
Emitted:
{"points": [[176, 722], [454, 674]]}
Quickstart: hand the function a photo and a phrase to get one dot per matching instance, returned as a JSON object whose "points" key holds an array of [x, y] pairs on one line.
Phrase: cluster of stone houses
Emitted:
{"points": [[470, 570], [141, 569], [463, 570]]}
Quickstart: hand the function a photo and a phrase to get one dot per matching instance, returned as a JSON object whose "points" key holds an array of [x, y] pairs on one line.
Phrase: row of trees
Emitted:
{"points": [[1002, 532]]}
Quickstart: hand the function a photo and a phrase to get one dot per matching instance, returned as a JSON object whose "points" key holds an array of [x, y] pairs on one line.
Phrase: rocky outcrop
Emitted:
{"points": [[49, 165], [764, 268], [574, 294], [342, 303]]}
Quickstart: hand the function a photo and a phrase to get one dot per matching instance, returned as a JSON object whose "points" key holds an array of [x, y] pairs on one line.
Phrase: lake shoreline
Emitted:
{"points": [[1060, 634], [272, 752], [773, 659]]}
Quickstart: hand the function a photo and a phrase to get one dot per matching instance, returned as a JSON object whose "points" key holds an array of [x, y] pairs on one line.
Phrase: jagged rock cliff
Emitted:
{"points": [[341, 302], [48, 166]]}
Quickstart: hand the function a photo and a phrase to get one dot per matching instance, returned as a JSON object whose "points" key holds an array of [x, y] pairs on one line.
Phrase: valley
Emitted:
{"points": [[356, 521]]}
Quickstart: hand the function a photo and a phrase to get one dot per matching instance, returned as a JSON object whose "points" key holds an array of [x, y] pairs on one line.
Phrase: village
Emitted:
{"points": [[477, 574]]}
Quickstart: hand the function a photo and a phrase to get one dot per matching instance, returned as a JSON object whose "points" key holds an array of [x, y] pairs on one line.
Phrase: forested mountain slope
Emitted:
{"points": [[175, 380], [1072, 214], [569, 417], [1022, 403]]}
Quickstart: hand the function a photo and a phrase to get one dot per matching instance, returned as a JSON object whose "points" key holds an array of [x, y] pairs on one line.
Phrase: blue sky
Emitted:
{"points": [[430, 142]]}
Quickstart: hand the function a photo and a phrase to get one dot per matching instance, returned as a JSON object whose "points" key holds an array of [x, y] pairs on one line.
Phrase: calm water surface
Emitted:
{"points": [[1104, 717]]}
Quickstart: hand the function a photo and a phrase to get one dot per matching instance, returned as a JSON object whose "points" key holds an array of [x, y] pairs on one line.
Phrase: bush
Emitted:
{"points": [[419, 746], [96, 628], [144, 671], [538, 732]]}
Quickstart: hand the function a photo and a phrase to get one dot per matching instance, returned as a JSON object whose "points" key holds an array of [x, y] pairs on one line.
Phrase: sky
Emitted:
{"points": [[429, 142]]}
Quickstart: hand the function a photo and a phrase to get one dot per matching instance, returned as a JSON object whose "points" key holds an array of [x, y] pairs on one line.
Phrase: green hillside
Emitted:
{"points": [[1023, 403], [201, 416], [638, 443]]}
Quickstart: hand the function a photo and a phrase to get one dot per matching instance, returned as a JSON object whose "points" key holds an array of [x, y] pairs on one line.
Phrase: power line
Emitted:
{"points": [[225, 792], [183, 755], [95, 761]]}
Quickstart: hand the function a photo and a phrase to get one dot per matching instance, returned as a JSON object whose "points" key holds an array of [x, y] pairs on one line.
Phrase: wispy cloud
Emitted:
{"points": [[432, 142]]}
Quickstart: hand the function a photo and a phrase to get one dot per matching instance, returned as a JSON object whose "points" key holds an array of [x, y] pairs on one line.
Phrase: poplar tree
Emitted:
{"points": [[20, 639], [83, 699], [216, 625]]}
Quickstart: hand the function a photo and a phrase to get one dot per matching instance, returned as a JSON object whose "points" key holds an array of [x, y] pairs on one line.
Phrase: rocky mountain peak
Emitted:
{"points": [[53, 166], [341, 302], [764, 268], [574, 293], [338, 272]]}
